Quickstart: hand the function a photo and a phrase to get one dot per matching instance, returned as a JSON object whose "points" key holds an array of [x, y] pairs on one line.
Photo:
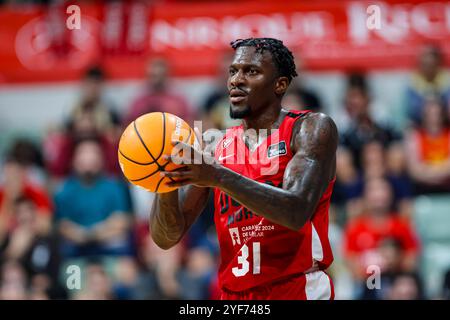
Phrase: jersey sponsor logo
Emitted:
{"points": [[234, 233], [277, 149]]}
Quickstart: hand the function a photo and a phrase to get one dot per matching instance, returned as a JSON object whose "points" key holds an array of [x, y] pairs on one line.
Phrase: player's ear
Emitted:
{"points": [[281, 85]]}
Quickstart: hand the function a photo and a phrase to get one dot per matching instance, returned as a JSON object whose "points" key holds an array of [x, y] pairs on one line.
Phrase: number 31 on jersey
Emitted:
{"points": [[244, 264]]}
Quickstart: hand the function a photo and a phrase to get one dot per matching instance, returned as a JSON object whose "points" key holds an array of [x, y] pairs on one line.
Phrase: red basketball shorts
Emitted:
{"points": [[311, 286]]}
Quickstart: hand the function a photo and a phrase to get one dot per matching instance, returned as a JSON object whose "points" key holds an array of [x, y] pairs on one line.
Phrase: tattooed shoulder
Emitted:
{"points": [[316, 135]]}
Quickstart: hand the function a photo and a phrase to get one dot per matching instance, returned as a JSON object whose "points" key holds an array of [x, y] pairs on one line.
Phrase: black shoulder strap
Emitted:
{"points": [[297, 114]]}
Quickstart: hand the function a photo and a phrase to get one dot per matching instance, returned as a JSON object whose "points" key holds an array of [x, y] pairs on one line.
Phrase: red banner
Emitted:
{"points": [[42, 44]]}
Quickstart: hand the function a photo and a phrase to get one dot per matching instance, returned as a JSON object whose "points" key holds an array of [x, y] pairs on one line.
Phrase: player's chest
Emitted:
{"points": [[262, 160]]}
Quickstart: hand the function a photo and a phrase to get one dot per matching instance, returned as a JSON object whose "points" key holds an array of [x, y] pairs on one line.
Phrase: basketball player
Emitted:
{"points": [[272, 228]]}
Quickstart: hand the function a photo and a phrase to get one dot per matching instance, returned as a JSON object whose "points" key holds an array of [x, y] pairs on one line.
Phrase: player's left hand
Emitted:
{"points": [[199, 167]]}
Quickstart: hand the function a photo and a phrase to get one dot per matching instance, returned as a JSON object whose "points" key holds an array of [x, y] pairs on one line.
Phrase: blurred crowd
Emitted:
{"points": [[64, 201]]}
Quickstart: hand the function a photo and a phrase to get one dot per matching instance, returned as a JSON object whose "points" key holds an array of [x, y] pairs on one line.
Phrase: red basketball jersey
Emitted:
{"points": [[254, 250]]}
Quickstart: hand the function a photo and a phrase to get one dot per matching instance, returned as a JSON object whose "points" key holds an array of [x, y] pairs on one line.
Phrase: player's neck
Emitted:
{"points": [[268, 119]]}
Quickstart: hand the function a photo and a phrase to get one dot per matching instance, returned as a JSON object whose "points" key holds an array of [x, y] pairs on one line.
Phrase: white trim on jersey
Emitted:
{"points": [[317, 250], [318, 286]]}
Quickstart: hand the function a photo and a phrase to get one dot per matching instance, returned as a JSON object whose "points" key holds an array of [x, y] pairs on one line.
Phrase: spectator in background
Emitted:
{"points": [[376, 163], [16, 186], [91, 209], [126, 279], [446, 286], [398, 176], [36, 252], [349, 184], [13, 281], [307, 100], [93, 103], [97, 284], [158, 276], [390, 264], [405, 286], [160, 269], [298, 99], [157, 96], [292, 101], [429, 149], [91, 117], [389, 164], [26, 153], [299, 96], [364, 236], [198, 274], [430, 78], [362, 127]]}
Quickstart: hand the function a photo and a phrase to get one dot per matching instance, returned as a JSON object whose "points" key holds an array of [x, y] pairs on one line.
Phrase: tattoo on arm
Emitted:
{"points": [[173, 213], [314, 163]]}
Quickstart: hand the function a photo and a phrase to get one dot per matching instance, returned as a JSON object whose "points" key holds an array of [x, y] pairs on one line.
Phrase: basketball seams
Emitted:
{"points": [[151, 155], [159, 182], [143, 143], [148, 151], [164, 142], [164, 165], [164, 135], [149, 175], [155, 159], [134, 161]]}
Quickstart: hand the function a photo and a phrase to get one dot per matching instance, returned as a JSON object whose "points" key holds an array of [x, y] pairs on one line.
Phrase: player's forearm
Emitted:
{"points": [[277, 205], [167, 222]]}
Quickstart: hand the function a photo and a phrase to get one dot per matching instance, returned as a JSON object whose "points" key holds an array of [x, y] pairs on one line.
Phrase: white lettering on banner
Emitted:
{"points": [[447, 16], [315, 25], [398, 22], [33, 44], [357, 23], [398, 29], [374, 18], [74, 20], [113, 25], [394, 29], [215, 33], [428, 19], [136, 39]]}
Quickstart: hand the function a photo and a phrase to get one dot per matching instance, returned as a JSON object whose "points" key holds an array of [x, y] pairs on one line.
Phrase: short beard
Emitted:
{"points": [[240, 114], [89, 178]]}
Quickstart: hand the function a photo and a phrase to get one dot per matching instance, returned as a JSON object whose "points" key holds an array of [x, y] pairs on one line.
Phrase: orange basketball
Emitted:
{"points": [[144, 142]]}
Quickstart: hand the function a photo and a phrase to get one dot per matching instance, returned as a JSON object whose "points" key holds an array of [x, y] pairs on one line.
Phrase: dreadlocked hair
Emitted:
{"points": [[282, 56]]}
